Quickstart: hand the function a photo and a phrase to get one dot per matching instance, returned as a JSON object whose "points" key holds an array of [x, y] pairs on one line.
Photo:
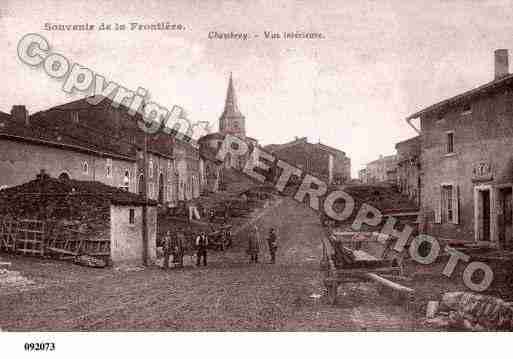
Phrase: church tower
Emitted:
{"points": [[232, 121]]}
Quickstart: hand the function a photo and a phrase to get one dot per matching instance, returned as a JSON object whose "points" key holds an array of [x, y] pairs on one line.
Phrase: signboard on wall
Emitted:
{"points": [[482, 171]]}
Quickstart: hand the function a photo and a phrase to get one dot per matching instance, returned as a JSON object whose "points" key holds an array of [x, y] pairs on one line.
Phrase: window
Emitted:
{"points": [[170, 193], [448, 205], [131, 216], [126, 181], [109, 168], [467, 109], [74, 117], [447, 210], [150, 190], [150, 168], [450, 142], [85, 167]]}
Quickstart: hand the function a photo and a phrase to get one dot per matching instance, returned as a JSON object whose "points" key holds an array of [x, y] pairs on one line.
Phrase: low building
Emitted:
{"points": [[467, 166], [408, 168], [325, 162], [109, 220]]}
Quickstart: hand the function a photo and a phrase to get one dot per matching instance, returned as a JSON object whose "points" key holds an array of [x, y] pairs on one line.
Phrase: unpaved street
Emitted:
{"points": [[230, 294]]}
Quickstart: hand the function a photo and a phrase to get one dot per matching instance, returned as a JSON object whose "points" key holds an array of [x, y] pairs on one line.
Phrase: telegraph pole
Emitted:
{"points": [[145, 204]]}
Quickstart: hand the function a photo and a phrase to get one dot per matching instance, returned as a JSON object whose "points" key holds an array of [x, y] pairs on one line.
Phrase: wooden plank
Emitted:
{"points": [[36, 241], [356, 271], [26, 250], [98, 253], [61, 251], [360, 255], [389, 284], [32, 231]]}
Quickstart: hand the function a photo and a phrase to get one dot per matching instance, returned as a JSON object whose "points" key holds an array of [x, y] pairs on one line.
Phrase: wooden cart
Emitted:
{"points": [[220, 239], [344, 261]]}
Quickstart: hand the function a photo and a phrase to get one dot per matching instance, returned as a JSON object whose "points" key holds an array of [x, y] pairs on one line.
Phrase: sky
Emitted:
{"points": [[378, 61]]}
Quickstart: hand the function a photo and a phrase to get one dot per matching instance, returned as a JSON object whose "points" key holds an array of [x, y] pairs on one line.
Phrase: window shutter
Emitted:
{"points": [[455, 205], [438, 204]]}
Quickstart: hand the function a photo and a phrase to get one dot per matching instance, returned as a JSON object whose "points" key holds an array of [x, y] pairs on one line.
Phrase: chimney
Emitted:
{"points": [[19, 114], [501, 63]]}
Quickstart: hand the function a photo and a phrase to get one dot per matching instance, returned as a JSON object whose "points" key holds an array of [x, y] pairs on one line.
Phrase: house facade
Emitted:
{"points": [[381, 170], [408, 168], [25, 150], [173, 164], [467, 168], [322, 161]]}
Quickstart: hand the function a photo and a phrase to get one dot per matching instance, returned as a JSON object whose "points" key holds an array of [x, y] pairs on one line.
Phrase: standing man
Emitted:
{"points": [[253, 245], [168, 248], [201, 246], [179, 249], [272, 244]]}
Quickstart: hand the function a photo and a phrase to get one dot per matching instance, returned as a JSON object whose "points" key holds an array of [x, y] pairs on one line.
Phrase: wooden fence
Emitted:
{"points": [[47, 238]]}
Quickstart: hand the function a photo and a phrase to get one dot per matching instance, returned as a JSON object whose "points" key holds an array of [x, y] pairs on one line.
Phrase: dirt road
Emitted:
{"points": [[230, 294]]}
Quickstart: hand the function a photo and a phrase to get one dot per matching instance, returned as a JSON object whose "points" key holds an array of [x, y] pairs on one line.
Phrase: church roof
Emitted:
{"points": [[231, 109]]}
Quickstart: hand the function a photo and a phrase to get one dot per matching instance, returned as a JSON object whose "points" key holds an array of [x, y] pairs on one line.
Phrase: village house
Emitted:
{"points": [[327, 163], [27, 148], [408, 168], [467, 168], [381, 170], [175, 168]]}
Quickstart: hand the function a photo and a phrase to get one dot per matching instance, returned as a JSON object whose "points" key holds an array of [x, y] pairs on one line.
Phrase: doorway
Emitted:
{"points": [[141, 185], [504, 216], [483, 222], [161, 188]]}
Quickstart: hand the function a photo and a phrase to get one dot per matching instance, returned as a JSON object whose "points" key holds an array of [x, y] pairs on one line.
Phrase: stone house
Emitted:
{"points": [[467, 168], [27, 148], [381, 170], [174, 168], [325, 162]]}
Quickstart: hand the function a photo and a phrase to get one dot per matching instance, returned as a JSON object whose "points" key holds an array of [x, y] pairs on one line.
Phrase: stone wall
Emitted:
{"points": [[126, 238]]}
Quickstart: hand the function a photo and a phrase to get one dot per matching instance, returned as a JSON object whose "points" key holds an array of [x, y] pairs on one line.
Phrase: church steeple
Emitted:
{"points": [[232, 121]]}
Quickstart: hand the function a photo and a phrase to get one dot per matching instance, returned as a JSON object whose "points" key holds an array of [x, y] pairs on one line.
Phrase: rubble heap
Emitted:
{"points": [[470, 311]]}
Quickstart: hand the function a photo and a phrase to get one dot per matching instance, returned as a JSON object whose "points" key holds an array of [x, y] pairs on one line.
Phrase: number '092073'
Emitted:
{"points": [[36, 347]]}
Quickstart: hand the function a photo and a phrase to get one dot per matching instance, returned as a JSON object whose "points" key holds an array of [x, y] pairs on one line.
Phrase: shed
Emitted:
{"points": [[76, 217]]}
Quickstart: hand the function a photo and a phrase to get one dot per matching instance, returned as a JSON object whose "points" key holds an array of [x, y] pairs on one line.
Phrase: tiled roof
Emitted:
{"points": [[158, 143], [36, 134], [465, 96]]}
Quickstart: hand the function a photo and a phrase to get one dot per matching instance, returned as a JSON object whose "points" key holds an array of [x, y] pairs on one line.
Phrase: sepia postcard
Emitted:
{"points": [[216, 167]]}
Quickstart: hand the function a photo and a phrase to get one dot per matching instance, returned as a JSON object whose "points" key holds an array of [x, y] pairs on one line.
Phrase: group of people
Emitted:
{"points": [[254, 245], [175, 245]]}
